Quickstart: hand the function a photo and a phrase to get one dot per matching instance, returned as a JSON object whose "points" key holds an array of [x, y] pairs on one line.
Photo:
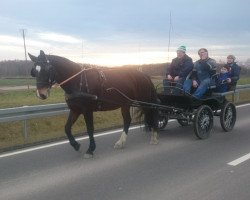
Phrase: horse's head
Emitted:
{"points": [[44, 73]]}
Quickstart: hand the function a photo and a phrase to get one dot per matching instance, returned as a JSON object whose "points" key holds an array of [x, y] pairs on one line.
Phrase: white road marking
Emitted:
{"points": [[243, 105], [63, 142], [66, 141], [240, 160], [81, 138], [245, 157]]}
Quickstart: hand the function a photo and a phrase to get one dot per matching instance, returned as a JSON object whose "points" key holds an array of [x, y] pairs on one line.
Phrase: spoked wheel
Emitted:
{"points": [[183, 122], [162, 121], [203, 122], [228, 116]]}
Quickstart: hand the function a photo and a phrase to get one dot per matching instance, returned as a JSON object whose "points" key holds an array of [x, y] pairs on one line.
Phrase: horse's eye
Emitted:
{"points": [[38, 68], [33, 72]]}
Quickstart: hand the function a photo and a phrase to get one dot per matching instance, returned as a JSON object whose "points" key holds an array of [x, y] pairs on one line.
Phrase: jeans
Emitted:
{"points": [[201, 89], [222, 88]]}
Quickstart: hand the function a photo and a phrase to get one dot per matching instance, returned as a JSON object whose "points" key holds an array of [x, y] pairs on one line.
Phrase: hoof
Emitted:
{"points": [[80, 150], [76, 146], [154, 142], [121, 142], [88, 156], [119, 145]]}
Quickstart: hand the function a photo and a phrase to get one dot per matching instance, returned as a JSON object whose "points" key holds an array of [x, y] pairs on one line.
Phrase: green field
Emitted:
{"points": [[16, 81], [28, 98], [50, 128]]}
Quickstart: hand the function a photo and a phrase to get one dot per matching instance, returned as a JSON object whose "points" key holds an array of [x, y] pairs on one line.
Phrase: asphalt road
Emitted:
{"points": [[180, 167]]}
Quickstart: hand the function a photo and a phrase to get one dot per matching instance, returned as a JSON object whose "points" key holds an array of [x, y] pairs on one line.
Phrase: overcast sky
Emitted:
{"points": [[116, 32]]}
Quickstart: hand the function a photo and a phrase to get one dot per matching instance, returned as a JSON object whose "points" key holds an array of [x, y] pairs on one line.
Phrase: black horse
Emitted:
{"points": [[91, 89]]}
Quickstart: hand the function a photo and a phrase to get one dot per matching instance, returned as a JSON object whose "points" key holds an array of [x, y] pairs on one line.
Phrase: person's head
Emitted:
{"points": [[181, 51], [203, 53], [230, 59], [225, 69]]}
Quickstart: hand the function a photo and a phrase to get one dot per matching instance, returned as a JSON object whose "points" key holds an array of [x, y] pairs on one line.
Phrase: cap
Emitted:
{"points": [[182, 48]]}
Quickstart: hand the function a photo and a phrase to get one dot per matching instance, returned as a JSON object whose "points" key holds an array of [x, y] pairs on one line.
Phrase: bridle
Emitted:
{"points": [[51, 82], [73, 76], [50, 70]]}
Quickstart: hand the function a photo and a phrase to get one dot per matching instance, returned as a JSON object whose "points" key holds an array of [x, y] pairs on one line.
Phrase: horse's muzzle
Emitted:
{"points": [[42, 93]]}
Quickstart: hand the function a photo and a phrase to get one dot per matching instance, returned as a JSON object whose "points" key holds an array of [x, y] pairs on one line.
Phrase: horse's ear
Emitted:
{"points": [[42, 56], [32, 58]]}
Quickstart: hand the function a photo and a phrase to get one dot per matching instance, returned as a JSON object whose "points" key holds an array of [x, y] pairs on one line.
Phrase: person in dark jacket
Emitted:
{"points": [[178, 70], [201, 78], [235, 72]]}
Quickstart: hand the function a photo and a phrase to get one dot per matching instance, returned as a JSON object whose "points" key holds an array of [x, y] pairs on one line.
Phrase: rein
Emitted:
{"points": [[70, 78]]}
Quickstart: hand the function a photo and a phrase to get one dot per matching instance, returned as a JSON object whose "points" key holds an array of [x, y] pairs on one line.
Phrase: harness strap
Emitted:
{"points": [[70, 78]]}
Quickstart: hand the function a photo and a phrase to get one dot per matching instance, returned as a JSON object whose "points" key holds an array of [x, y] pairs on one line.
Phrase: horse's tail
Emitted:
{"points": [[150, 114]]}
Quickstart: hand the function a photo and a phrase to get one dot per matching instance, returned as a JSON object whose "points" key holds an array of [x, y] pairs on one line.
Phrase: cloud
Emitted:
{"points": [[7, 39], [58, 37], [18, 41]]}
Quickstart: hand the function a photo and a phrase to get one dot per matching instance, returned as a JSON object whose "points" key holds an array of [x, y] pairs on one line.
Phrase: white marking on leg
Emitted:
{"points": [[154, 139], [87, 156], [121, 142]]}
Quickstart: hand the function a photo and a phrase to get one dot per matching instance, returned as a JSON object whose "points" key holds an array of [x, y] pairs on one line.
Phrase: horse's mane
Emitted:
{"points": [[61, 61]]}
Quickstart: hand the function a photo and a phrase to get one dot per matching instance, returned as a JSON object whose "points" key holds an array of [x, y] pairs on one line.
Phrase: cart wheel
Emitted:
{"points": [[162, 122], [203, 122], [183, 122], [228, 116]]}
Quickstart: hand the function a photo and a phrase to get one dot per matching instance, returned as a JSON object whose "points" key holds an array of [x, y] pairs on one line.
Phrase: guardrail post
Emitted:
{"points": [[25, 129], [235, 96]]}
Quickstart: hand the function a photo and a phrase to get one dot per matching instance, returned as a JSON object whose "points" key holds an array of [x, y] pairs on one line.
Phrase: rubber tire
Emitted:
{"points": [[228, 115], [203, 115]]}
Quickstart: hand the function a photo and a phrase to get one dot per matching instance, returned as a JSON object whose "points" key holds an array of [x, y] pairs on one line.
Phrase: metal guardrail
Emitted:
{"points": [[236, 93], [29, 112]]}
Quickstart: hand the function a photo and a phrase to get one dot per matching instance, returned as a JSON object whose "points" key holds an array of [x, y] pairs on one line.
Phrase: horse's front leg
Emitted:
{"points": [[126, 123], [88, 116], [73, 116]]}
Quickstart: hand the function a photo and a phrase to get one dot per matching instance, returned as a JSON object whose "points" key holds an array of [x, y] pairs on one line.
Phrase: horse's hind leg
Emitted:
{"points": [[154, 126], [73, 116], [126, 123], [151, 120]]}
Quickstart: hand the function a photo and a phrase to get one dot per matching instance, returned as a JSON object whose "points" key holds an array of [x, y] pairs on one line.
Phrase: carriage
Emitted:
{"points": [[174, 103], [187, 109], [88, 90]]}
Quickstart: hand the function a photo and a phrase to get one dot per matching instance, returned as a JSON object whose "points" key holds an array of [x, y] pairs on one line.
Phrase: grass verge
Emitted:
{"points": [[52, 128]]}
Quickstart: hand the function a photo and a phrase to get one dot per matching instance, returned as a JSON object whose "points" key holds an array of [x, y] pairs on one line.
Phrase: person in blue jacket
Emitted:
{"points": [[224, 76], [178, 70], [201, 78], [235, 72]]}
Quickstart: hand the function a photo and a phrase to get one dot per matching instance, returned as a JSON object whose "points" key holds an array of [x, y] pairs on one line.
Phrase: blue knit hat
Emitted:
{"points": [[182, 48]]}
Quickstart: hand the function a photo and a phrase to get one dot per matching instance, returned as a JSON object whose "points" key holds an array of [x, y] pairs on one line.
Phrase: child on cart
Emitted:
{"points": [[223, 77]]}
